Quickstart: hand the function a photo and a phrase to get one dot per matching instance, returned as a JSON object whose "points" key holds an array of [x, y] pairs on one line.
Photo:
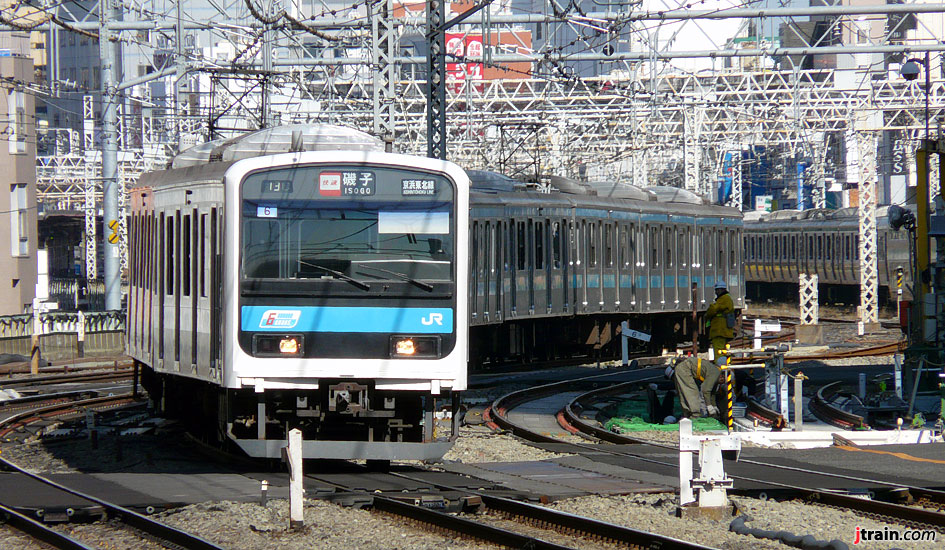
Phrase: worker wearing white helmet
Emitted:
{"points": [[720, 318]]}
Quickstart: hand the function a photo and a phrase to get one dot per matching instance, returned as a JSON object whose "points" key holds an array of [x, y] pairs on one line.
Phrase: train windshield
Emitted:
{"points": [[357, 225]]}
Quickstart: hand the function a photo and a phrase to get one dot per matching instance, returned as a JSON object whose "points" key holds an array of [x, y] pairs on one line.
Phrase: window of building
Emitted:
{"points": [[16, 105], [19, 220]]}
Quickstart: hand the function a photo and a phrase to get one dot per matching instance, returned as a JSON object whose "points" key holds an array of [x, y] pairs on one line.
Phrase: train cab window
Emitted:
{"points": [[592, 245], [520, 239], [539, 246]]}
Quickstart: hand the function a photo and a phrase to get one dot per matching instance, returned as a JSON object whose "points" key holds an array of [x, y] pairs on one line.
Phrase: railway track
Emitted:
{"points": [[530, 521], [898, 513], [147, 529]]}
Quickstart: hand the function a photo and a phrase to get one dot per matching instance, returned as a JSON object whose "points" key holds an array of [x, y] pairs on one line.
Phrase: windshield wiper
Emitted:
{"points": [[340, 275], [401, 276]]}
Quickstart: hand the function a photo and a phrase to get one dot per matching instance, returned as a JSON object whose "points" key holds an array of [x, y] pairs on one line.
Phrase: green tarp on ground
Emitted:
{"points": [[628, 416]]}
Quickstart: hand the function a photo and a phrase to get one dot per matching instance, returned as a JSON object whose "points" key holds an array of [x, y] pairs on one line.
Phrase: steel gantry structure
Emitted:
{"points": [[640, 120]]}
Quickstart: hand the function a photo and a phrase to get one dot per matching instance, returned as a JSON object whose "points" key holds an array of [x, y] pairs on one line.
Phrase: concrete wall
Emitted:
{"points": [[17, 167], [64, 345]]}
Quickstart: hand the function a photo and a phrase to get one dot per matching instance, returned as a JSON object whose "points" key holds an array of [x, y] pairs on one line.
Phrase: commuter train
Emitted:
{"points": [[780, 245], [553, 275], [317, 288], [344, 291]]}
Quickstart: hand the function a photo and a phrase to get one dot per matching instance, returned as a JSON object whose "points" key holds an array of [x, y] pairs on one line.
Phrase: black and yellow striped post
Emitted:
{"points": [[729, 392], [898, 290]]}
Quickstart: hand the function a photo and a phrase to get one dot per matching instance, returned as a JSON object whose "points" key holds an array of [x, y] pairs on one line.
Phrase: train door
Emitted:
{"points": [[669, 267], [530, 274], [594, 296], [473, 272], [540, 276], [191, 273], [581, 261], [571, 265], [608, 268], [655, 267], [622, 268], [170, 302], [515, 241], [696, 271], [552, 265], [684, 245], [629, 295], [492, 287]]}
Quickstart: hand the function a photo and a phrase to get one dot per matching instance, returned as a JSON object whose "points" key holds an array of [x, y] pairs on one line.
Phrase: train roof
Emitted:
{"points": [[280, 139], [812, 216]]}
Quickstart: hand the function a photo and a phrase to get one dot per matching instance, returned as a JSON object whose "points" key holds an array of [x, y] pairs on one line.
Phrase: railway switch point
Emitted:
{"points": [[712, 483]]}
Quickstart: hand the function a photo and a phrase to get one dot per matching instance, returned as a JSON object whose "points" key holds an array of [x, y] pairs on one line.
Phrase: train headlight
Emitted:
{"points": [[278, 345], [404, 346], [289, 346], [413, 347]]}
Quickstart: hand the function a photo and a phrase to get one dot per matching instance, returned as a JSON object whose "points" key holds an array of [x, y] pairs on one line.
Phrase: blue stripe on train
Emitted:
{"points": [[420, 320]]}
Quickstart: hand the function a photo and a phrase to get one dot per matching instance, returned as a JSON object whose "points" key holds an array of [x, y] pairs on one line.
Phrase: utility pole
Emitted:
{"points": [[110, 182]]}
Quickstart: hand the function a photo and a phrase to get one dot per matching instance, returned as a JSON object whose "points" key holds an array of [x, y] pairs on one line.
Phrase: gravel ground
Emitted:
{"points": [[327, 526], [479, 444], [656, 514], [11, 539]]}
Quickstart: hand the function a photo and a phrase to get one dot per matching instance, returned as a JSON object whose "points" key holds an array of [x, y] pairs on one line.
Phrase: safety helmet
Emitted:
{"points": [[668, 373], [721, 285]]}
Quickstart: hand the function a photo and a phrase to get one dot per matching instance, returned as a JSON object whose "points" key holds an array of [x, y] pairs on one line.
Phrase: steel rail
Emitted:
{"points": [[68, 378], [128, 517], [902, 514], [63, 408], [574, 419], [39, 531], [822, 409]]}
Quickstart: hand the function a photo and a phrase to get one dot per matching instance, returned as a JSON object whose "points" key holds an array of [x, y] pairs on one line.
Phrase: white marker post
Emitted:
{"points": [[294, 458], [686, 443]]}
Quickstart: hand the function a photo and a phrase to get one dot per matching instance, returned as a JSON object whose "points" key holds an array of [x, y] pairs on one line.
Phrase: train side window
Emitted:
{"points": [[828, 252], [521, 250], [654, 245], [508, 248], [720, 235], [555, 235], [820, 246], [846, 247], [203, 255], [731, 249], [776, 247], [631, 245], [609, 245], [171, 264], [668, 245], [539, 245], [810, 247], [856, 247], [185, 255], [474, 257], [684, 247], [793, 247]]}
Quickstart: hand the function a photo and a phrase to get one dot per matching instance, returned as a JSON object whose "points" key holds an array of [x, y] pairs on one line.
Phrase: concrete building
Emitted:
{"points": [[18, 237]]}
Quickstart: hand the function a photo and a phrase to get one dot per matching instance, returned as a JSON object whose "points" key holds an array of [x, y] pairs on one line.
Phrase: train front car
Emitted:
{"points": [[348, 311]]}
